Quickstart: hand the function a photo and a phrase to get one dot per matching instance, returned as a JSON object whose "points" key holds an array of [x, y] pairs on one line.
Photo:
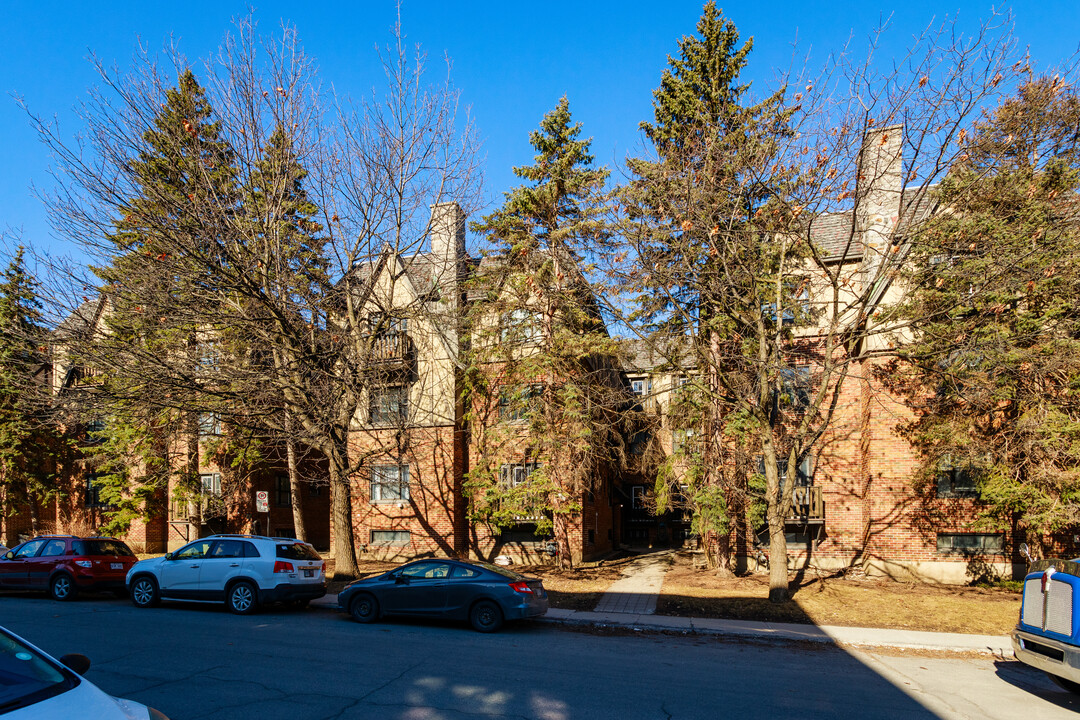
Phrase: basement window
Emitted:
{"points": [[390, 538], [970, 544]]}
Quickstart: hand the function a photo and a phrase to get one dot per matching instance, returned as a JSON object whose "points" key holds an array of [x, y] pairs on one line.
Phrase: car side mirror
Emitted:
{"points": [[9, 555], [168, 556], [75, 661], [401, 579]]}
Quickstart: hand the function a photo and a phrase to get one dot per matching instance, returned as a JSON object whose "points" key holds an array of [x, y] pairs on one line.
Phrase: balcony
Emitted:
{"points": [[807, 504], [391, 350]]}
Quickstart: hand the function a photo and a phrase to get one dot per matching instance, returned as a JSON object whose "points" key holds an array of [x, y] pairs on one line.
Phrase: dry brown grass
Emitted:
{"points": [[837, 601], [366, 568], [578, 588], [693, 592]]}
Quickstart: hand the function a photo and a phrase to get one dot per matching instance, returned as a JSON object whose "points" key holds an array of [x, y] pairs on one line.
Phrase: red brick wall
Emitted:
{"points": [[430, 515]]}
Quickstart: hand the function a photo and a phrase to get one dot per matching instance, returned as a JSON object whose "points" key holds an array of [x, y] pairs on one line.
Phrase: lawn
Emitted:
{"points": [[841, 601], [694, 592]]}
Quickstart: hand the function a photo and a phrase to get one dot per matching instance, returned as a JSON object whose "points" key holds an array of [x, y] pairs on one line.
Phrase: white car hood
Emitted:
{"points": [[85, 702]]}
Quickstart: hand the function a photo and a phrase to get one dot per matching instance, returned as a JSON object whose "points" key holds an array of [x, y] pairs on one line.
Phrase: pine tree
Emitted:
{"points": [[174, 223], [993, 369], [718, 243], [286, 254], [541, 357], [28, 439]]}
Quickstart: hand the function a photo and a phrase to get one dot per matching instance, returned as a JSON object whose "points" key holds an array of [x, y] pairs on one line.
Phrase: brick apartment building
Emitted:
{"points": [[854, 502]]}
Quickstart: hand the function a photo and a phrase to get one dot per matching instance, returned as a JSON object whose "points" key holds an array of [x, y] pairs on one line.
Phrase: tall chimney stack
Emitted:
{"points": [[447, 235], [879, 186]]}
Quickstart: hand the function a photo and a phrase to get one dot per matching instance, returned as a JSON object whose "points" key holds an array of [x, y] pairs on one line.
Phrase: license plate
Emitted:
{"points": [[309, 572], [116, 566]]}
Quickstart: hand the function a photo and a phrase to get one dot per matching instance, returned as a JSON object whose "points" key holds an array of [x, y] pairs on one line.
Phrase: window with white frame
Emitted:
{"points": [[389, 483], [637, 497], [209, 425], [521, 326], [970, 544], [211, 484], [641, 387], [385, 323], [514, 475], [796, 386], [516, 403]]}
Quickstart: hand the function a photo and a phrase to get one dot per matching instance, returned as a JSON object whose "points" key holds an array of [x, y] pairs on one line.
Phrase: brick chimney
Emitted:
{"points": [[878, 190]]}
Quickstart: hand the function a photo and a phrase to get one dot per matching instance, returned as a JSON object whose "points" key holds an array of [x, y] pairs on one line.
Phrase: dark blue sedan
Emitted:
{"points": [[485, 595]]}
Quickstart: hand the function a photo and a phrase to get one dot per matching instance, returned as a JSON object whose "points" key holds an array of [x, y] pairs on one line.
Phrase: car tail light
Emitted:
{"points": [[83, 562], [284, 567], [521, 587]]}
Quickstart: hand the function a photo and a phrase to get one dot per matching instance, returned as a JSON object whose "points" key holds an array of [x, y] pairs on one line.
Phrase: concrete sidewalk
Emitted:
{"points": [[834, 634]]}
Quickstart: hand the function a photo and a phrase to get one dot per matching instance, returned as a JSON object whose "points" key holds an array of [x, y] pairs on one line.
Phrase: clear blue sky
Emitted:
{"points": [[512, 61]]}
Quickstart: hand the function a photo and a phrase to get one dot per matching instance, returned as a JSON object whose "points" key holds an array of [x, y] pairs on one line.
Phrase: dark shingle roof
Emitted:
{"points": [[834, 235], [81, 319]]}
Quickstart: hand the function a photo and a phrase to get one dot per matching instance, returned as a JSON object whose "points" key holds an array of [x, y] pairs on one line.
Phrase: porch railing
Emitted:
{"points": [[807, 503]]}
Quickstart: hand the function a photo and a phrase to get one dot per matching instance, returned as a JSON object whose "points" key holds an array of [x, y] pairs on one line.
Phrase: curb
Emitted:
{"points": [[998, 645]]}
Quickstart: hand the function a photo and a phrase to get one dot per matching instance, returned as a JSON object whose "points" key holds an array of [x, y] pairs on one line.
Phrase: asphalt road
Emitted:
{"points": [[202, 663]]}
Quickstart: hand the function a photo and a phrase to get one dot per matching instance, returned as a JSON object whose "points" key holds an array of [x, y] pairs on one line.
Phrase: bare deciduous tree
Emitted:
{"points": [[236, 241]]}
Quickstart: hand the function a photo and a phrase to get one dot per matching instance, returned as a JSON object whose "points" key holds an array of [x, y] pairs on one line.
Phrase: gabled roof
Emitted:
{"points": [[834, 233], [83, 319]]}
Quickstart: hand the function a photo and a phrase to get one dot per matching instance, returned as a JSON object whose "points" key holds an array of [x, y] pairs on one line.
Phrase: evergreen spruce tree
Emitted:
{"points": [[285, 252], [993, 369], [175, 222], [28, 440], [718, 243], [541, 376]]}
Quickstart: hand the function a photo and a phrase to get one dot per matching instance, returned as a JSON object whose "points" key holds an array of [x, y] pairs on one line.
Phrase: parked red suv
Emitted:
{"points": [[66, 564]]}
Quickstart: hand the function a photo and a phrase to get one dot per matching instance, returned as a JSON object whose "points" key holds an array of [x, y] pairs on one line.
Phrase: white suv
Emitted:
{"points": [[243, 570]]}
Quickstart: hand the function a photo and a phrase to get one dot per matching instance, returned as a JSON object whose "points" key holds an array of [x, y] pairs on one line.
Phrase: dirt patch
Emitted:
{"points": [[692, 592], [575, 588]]}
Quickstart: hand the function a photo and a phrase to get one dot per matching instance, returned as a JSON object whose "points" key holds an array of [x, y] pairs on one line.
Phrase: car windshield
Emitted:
{"points": [[501, 571], [297, 551], [101, 547], [26, 677]]}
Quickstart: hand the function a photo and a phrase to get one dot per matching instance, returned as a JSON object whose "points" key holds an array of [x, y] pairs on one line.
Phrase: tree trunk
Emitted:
{"points": [[778, 569], [35, 520], [562, 539], [345, 566], [776, 514], [294, 482], [723, 555]]}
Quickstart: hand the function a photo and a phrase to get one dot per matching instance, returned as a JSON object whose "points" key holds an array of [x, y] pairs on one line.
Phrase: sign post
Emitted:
{"points": [[262, 504]]}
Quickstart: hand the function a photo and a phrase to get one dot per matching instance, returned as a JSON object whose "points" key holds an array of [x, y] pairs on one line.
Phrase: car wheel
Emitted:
{"points": [[486, 616], [242, 598], [364, 608], [144, 592], [1065, 683], [62, 587]]}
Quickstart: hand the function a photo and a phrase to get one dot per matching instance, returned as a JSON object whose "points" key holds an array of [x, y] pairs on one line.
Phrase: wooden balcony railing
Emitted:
{"points": [[391, 348], [807, 504]]}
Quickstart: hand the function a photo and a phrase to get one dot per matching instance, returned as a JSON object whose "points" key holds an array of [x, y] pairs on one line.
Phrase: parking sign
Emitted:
{"points": [[262, 501]]}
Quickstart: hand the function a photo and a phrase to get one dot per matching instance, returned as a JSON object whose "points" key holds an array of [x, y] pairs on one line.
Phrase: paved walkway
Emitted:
{"points": [[638, 589]]}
